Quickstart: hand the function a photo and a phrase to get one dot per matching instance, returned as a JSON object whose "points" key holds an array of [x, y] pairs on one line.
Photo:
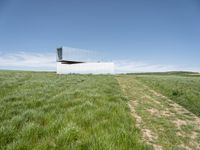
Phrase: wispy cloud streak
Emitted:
{"points": [[28, 59], [46, 61], [124, 66]]}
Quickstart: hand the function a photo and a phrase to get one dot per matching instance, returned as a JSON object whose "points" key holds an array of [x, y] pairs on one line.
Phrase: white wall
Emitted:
{"points": [[86, 68]]}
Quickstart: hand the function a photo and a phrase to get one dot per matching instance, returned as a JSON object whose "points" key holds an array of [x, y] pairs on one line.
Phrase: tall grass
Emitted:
{"points": [[47, 111], [185, 90]]}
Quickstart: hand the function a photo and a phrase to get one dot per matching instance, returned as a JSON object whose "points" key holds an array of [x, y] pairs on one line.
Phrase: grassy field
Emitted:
{"points": [[183, 89], [47, 111], [164, 124]]}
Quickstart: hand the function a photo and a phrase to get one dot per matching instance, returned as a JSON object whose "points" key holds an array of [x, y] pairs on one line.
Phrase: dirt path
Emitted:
{"points": [[163, 123]]}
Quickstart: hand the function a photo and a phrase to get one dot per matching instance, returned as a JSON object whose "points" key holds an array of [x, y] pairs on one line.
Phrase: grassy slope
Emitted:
{"points": [[46, 111], [185, 90]]}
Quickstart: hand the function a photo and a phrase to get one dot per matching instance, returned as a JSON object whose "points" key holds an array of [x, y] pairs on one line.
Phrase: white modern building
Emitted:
{"points": [[82, 67]]}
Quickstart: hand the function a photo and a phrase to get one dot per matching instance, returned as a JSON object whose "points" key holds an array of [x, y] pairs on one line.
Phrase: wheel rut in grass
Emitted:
{"points": [[163, 123]]}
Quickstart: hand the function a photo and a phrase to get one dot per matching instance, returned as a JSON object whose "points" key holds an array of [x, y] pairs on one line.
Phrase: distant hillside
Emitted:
{"points": [[166, 73]]}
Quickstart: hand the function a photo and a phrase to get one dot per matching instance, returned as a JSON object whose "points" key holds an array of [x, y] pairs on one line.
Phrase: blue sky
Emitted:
{"points": [[139, 35]]}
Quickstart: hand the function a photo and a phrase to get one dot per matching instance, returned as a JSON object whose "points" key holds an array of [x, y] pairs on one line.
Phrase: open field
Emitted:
{"points": [[184, 90], [196, 75], [163, 123], [48, 111]]}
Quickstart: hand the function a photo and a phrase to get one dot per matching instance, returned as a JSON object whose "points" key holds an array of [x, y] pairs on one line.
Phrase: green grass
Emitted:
{"points": [[195, 75], [184, 90], [47, 111], [169, 125]]}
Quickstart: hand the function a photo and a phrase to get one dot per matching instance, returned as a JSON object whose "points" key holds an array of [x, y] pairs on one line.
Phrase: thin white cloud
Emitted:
{"points": [[124, 66], [28, 59], [47, 61]]}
